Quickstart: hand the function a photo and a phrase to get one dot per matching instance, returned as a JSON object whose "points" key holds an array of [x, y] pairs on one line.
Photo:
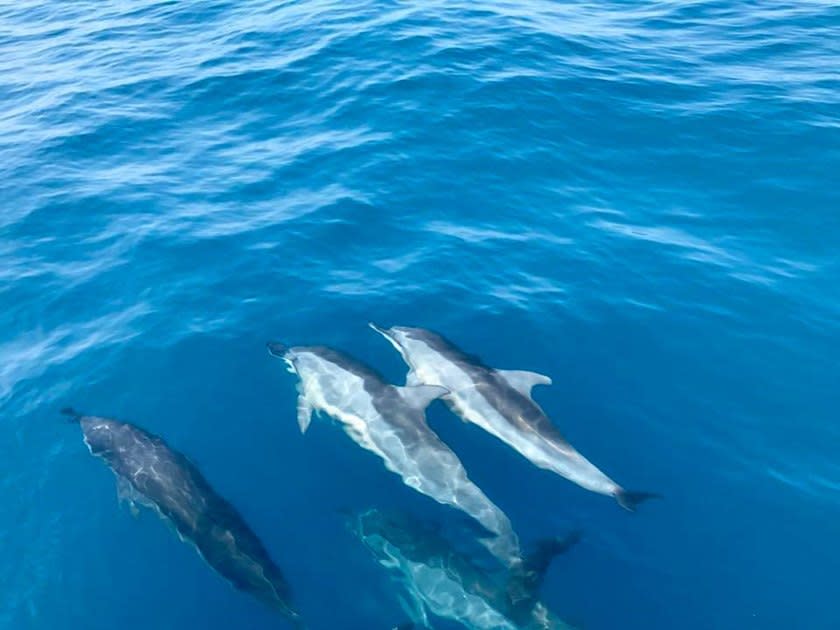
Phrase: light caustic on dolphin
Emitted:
{"points": [[390, 422], [499, 401], [151, 473]]}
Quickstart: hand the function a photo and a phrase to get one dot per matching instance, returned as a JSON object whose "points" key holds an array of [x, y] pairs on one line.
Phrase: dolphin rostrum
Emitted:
{"points": [[151, 473], [442, 581], [499, 401], [390, 421]]}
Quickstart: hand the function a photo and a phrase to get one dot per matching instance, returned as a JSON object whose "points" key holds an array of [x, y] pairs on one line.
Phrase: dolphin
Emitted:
{"points": [[499, 401], [390, 421], [442, 581], [155, 475]]}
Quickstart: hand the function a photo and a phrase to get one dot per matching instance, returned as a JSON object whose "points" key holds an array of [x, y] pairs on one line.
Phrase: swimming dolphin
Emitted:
{"points": [[151, 473], [442, 581], [390, 421], [499, 401]]}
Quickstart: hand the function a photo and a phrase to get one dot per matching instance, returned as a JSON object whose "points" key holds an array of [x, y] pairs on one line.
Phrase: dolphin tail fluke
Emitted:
{"points": [[526, 580], [275, 348], [72, 414], [629, 500], [551, 547], [535, 565]]}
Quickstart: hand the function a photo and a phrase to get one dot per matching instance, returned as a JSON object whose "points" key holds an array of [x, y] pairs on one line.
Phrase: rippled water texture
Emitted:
{"points": [[637, 199]]}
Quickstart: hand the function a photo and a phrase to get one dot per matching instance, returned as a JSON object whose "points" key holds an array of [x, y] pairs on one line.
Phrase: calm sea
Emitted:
{"points": [[639, 199]]}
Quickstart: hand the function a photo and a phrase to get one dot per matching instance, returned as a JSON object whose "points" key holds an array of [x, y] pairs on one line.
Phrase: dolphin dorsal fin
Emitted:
{"points": [[522, 380], [304, 413], [419, 396]]}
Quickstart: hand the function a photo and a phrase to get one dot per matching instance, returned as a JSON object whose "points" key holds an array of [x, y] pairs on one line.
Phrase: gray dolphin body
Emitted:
{"points": [[441, 581], [390, 421], [499, 401], [155, 475]]}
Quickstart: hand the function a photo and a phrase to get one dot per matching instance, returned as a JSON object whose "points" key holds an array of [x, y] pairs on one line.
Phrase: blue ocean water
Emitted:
{"points": [[637, 199]]}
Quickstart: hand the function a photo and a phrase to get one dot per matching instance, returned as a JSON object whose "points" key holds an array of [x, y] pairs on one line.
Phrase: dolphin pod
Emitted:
{"points": [[499, 401], [389, 421]]}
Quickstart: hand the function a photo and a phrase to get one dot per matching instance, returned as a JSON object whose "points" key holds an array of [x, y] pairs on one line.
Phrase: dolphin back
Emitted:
{"points": [[181, 495]]}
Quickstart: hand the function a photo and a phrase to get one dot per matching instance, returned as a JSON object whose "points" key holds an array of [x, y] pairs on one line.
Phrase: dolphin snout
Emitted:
{"points": [[379, 329], [276, 349], [388, 333]]}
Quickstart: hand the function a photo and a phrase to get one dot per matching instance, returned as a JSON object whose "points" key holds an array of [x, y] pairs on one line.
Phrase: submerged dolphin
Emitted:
{"points": [[153, 474], [499, 401], [390, 421], [441, 581]]}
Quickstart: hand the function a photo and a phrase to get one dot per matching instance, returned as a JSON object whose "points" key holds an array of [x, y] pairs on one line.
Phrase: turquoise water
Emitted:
{"points": [[637, 199]]}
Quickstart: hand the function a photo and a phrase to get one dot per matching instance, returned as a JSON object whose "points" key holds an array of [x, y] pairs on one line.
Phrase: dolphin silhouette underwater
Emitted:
{"points": [[151, 473], [441, 581], [500, 402], [390, 422]]}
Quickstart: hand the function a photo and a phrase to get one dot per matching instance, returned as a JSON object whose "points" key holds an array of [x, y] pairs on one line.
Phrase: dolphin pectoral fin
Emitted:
{"points": [[522, 380], [419, 396], [304, 414], [127, 494], [123, 490]]}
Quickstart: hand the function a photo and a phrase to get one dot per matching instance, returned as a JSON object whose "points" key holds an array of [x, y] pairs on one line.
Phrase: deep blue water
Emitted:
{"points": [[637, 199]]}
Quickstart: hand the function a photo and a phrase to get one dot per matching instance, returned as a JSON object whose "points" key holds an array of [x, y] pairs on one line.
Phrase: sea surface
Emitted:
{"points": [[638, 199]]}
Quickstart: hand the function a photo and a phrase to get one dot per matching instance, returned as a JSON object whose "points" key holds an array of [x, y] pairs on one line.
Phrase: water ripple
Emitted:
{"points": [[639, 199]]}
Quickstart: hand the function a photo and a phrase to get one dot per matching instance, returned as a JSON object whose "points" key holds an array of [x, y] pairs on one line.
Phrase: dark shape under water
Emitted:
{"points": [[442, 581], [150, 472]]}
